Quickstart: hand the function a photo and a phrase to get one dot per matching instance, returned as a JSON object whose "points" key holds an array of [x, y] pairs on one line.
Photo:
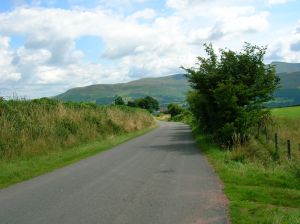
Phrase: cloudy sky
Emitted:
{"points": [[49, 46]]}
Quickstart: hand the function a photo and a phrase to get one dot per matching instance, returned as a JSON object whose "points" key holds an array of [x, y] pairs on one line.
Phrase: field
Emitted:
{"points": [[261, 187], [40, 135], [287, 127], [287, 112]]}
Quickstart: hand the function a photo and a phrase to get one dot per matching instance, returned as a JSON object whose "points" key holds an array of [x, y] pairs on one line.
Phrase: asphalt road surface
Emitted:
{"points": [[158, 178]]}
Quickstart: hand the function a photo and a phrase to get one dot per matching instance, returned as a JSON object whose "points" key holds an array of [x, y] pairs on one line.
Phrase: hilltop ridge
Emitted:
{"points": [[173, 88]]}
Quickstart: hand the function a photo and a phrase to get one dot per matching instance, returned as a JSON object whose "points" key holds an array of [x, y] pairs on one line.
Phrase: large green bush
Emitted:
{"points": [[229, 92], [147, 103], [174, 109]]}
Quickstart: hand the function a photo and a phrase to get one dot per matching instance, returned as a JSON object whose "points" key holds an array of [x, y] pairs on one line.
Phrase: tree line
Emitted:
{"points": [[147, 103]]}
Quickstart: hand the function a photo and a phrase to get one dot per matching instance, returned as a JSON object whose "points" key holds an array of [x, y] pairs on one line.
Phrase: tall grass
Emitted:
{"points": [[259, 191], [262, 148], [43, 126], [262, 187]]}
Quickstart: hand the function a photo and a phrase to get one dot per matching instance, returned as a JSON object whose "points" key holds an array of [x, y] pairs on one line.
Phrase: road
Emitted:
{"points": [[158, 178]]}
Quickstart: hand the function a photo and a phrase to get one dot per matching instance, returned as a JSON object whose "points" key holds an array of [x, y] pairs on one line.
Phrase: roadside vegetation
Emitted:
{"points": [[261, 188], [237, 133], [39, 135], [147, 103], [258, 192]]}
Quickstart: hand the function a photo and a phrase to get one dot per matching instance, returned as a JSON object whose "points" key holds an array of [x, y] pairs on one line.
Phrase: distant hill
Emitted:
{"points": [[289, 92], [165, 89], [283, 67], [173, 88]]}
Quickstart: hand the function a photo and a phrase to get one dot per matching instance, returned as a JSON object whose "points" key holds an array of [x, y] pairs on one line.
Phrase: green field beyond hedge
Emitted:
{"points": [[287, 112]]}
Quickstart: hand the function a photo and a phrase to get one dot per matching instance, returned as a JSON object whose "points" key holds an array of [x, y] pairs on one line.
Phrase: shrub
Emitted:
{"points": [[119, 100], [174, 109], [229, 91], [65, 127]]}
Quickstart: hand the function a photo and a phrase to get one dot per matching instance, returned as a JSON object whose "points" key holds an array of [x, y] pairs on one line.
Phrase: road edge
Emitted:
{"points": [[17, 171]]}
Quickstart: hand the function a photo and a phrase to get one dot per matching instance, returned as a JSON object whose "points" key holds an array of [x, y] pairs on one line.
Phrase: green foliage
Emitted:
{"points": [[148, 103], [131, 104], [66, 127], [119, 100], [257, 194], [174, 109], [20, 168], [186, 117], [33, 127], [229, 91]]}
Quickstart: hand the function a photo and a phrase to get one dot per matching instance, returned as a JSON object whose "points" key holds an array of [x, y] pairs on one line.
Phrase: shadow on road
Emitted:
{"points": [[185, 148], [178, 139]]}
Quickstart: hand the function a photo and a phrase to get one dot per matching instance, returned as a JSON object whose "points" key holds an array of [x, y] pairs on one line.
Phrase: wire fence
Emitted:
{"points": [[274, 139]]}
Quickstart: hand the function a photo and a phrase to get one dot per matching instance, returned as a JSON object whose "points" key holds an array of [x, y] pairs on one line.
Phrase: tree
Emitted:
{"points": [[119, 100], [148, 103], [131, 104], [229, 91], [174, 109]]}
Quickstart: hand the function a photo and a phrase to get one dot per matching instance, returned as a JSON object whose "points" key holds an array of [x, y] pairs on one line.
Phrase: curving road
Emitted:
{"points": [[158, 178]]}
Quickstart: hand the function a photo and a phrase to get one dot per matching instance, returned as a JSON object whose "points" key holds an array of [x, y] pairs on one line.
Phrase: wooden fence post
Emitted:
{"points": [[266, 133], [289, 149], [276, 145]]}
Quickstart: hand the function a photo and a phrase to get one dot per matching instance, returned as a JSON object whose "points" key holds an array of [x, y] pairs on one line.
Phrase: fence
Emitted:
{"points": [[276, 143]]}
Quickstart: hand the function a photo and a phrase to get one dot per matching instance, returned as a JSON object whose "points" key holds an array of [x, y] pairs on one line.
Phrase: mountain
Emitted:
{"points": [[289, 92], [283, 67], [165, 89], [173, 88]]}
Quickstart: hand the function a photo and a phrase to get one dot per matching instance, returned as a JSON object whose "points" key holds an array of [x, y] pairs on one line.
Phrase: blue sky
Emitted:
{"points": [[49, 46]]}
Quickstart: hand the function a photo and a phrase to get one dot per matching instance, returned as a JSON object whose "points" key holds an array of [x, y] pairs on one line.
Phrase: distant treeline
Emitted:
{"points": [[147, 103]]}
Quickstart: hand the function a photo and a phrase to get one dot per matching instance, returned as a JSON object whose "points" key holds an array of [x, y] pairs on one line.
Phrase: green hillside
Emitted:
{"points": [[164, 89], [289, 92], [173, 89], [283, 67]]}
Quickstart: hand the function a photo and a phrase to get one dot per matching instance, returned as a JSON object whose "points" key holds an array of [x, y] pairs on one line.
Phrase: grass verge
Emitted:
{"points": [[24, 168], [257, 194]]}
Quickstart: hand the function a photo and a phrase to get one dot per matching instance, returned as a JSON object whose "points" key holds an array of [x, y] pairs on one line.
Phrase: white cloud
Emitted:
{"points": [[230, 22], [144, 14], [177, 4], [286, 47], [277, 2], [138, 44], [8, 72], [295, 40]]}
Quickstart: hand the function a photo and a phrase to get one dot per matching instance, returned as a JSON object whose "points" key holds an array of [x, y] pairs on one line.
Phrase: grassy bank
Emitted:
{"points": [[287, 126], [20, 169], [41, 135], [262, 187], [287, 112], [257, 193]]}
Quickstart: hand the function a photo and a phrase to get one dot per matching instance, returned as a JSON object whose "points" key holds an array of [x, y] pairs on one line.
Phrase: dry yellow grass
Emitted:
{"points": [[42, 126], [163, 117]]}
